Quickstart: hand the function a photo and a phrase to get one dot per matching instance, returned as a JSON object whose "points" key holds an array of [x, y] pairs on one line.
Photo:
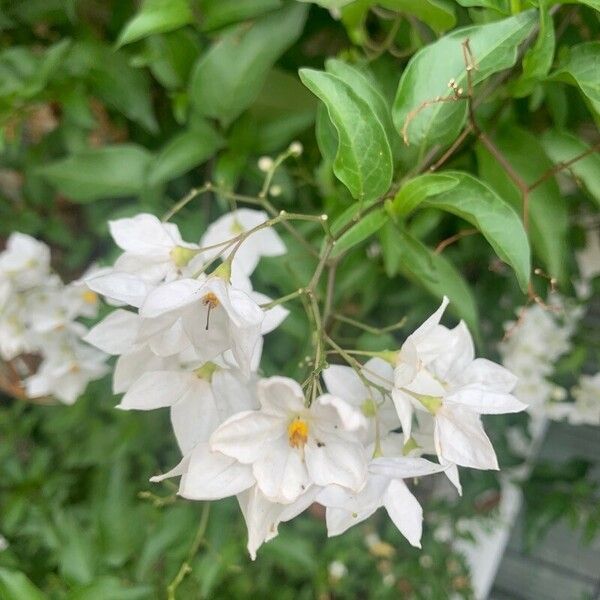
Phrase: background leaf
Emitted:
{"points": [[494, 47]]}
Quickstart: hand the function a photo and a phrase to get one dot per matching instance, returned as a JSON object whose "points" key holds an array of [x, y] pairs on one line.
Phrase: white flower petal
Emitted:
{"points": [[143, 234], [461, 439], [344, 382], [280, 396], [485, 401], [116, 333], [157, 389], [330, 461], [171, 296], [122, 287], [405, 511], [247, 435], [403, 467]]}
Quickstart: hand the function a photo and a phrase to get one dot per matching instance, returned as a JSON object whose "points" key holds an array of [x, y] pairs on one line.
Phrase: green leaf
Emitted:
{"points": [[405, 254], [581, 68], [220, 13], [499, 5], [156, 16], [15, 585], [478, 204], [363, 161], [108, 172], [366, 227], [438, 15], [548, 221], [414, 191], [538, 59], [416, 113], [562, 147], [183, 152], [229, 77], [365, 88]]}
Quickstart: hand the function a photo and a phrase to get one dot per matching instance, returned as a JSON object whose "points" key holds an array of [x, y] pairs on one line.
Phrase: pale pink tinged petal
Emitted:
{"points": [[405, 511], [281, 473], [404, 408], [403, 467], [490, 374], [179, 469], [333, 410], [343, 382], [212, 476], [339, 520], [194, 417], [280, 396], [171, 296], [329, 461], [116, 333], [484, 400], [122, 287], [157, 389], [460, 439], [247, 436], [143, 234]]}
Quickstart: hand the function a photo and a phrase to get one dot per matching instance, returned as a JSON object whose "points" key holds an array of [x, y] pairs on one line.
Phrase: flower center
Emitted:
{"points": [[298, 433], [181, 256], [89, 297], [236, 227], [431, 403], [369, 408]]}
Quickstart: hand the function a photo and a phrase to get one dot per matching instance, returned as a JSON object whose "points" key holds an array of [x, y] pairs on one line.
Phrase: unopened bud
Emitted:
{"points": [[296, 148], [265, 163], [275, 190]]}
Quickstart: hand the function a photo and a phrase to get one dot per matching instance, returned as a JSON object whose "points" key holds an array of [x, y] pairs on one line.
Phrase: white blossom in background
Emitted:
{"points": [[38, 316], [585, 408], [531, 349], [437, 372]]}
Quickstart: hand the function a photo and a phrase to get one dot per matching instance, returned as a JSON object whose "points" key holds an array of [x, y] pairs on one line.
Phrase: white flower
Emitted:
{"points": [[384, 487], [264, 242], [586, 406], [154, 251], [200, 399], [291, 447], [25, 262], [344, 382], [66, 372], [437, 371], [212, 314]]}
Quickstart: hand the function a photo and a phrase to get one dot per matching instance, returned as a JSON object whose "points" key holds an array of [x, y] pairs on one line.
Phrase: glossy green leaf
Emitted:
{"points": [[548, 222], [499, 5], [363, 161], [416, 113], [414, 191], [581, 68], [438, 15], [402, 253], [108, 172], [538, 59], [183, 152], [498, 222], [156, 16], [220, 13], [15, 585], [562, 147], [229, 77], [367, 90], [366, 227]]}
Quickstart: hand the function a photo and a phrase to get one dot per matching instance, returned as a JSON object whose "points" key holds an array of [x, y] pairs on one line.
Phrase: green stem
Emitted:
{"points": [[185, 566]]}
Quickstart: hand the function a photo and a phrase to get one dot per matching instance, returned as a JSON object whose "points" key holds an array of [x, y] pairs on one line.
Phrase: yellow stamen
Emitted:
{"points": [[211, 301], [89, 297], [298, 433]]}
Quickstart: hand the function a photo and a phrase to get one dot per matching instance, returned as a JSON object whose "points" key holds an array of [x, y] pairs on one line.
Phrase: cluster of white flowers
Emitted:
{"points": [[193, 344], [540, 337], [38, 316]]}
